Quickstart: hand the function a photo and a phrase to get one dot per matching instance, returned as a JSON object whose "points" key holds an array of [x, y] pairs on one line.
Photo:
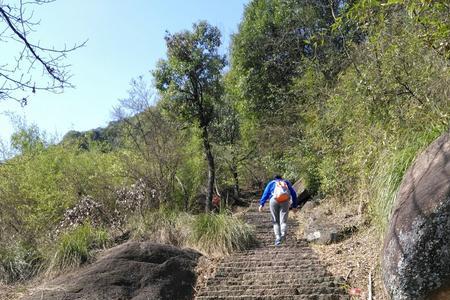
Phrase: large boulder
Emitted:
{"points": [[299, 186], [133, 270], [416, 260], [302, 193], [320, 230], [323, 233]]}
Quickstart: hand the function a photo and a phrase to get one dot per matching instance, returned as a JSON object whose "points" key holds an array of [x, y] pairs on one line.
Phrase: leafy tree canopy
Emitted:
{"points": [[268, 51], [190, 76]]}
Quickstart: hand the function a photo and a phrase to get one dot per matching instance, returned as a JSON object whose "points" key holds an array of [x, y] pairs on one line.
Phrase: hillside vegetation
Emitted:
{"points": [[340, 94]]}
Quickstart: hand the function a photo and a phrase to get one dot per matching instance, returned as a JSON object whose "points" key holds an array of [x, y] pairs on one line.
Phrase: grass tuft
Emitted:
{"points": [[18, 263], [76, 247], [388, 175], [212, 234], [220, 234], [162, 226]]}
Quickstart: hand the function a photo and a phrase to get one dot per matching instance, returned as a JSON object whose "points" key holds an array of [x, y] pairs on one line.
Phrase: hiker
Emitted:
{"points": [[280, 193]]}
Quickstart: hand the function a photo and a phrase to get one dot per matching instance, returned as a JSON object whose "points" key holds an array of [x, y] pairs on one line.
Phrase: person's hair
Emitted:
{"points": [[277, 177]]}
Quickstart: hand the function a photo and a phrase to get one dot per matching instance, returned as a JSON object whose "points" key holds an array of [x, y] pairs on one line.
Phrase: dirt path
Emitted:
{"points": [[289, 271]]}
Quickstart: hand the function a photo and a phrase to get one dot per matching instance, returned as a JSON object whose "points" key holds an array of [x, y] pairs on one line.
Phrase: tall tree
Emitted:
{"points": [[189, 81], [268, 53]]}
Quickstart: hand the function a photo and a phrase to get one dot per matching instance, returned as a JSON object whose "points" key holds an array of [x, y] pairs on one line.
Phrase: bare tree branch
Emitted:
{"points": [[18, 75]]}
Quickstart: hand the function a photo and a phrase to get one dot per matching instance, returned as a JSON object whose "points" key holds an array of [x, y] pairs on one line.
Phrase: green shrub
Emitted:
{"points": [[219, 234], [38, 189], [18, 262], [76, 247], [190, 174]]}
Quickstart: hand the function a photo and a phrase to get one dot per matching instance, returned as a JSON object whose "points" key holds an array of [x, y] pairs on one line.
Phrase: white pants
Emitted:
{"points": [[279, 212]]}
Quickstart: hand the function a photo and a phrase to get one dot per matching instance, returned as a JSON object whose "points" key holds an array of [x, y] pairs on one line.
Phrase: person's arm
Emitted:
{"points": [[266, 195], [293, 194]]}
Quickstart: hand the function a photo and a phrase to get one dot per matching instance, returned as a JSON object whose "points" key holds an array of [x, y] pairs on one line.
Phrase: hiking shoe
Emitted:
{"points": [[278, 242], [283, 239]]}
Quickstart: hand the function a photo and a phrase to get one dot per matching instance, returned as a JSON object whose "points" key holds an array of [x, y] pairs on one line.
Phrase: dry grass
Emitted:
{"points": [[13, 292], [212, 234], [162, 226], [218, 235], [354, 257]]}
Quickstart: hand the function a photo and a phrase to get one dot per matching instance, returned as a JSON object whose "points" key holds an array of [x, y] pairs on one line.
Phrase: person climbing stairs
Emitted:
{"points": [[289, 271]]}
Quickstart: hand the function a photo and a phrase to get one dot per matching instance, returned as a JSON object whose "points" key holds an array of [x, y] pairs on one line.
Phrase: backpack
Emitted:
{"points": [[281, 192]]}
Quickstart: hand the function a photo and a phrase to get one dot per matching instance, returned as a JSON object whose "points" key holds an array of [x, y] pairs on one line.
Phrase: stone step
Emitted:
{"points": [[279, 297], [298, 280], [274, 291], [300, 252], [271, 245], [268, 267], [275, 251], [313, 272], [260, 285], [262, 226], [279, 261], [263, 216], [270, 275], [288, 243], [288, 262], [255, 222], [271, 235], [292, 256], [289, 271], [267, 256], [247, 285]]}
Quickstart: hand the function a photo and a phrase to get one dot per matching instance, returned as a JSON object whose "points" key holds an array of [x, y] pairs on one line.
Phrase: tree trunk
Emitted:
{"points": [[185, 194], [233, 168], [211, 168]]}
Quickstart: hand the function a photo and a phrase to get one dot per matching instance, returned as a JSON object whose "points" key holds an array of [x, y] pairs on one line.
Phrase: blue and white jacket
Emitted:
{"points": [[268, 192]]}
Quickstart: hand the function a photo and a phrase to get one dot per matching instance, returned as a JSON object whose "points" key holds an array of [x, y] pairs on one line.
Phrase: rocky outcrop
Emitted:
{"points": [[416, 260], [319, 228], [322, 232], [309, 206], [303, 194], [130, 271]]}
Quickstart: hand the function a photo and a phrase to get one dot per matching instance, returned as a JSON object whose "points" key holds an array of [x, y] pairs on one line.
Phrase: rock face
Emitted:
{"points": [[302, 193], [309, 206], [416, 260], [321, 231], [130, 271]]}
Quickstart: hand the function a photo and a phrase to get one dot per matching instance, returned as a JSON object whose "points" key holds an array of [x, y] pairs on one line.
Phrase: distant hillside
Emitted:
{"points": [[111, 135]]}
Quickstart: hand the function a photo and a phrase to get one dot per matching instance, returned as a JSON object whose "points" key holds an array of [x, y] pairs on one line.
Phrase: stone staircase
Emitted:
{"points": [[289, 271]]}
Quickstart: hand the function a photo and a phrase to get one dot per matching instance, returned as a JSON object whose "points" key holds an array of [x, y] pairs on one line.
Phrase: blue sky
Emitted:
{"points": [[125, 39]]}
